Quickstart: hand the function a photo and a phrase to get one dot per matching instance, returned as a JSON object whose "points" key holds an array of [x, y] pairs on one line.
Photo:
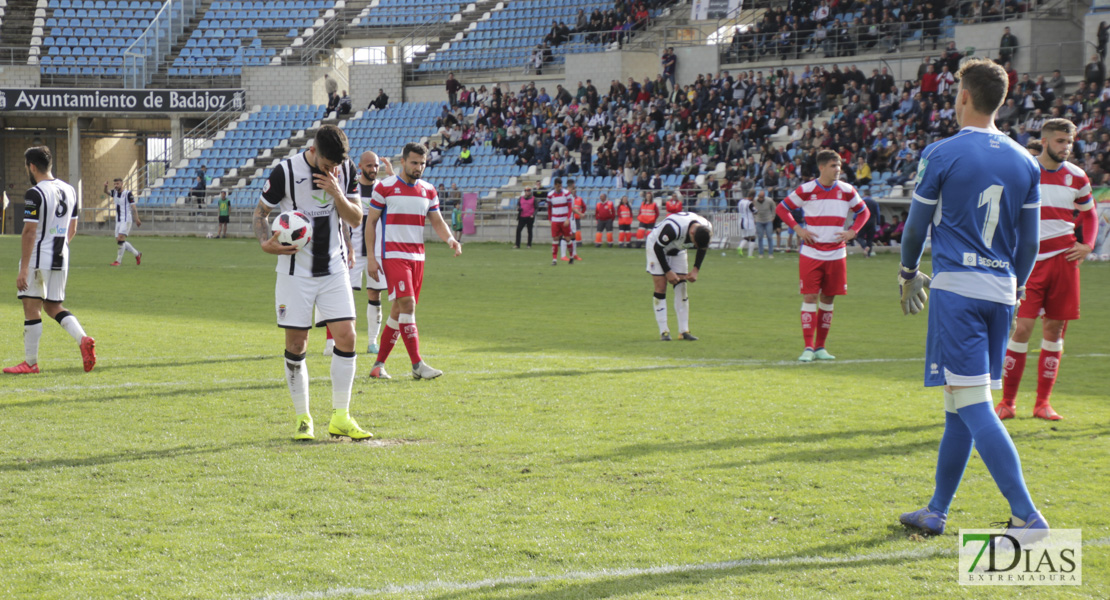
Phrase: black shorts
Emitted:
{"points": [[625, 226], [647, 226], [603, 226], [225, 219]]}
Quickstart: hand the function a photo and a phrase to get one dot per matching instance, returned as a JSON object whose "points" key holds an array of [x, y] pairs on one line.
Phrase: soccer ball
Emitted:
{"points": [[293, 229]]}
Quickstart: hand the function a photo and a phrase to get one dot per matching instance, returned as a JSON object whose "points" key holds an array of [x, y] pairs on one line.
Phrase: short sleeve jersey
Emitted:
{"points": [[122, 201], [404, 209], [671, 232], [358, 234], [977, 210], [51, 204], [291, 187], [826, 211], [558, 205], [1063, 191]]}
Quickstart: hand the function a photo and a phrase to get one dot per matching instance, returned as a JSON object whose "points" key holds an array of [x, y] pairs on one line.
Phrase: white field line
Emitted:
{"points": [[323, 379], [575, 576]]}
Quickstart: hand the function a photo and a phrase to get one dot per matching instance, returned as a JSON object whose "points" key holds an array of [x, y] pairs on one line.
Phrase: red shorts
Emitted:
{"points": [[403, 277], [560, 230], [828, 277], [1052, 291]]}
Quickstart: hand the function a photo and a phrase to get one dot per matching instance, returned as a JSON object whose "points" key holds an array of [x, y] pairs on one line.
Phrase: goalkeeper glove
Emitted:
{"points": [[912, 285], [1017, 305]]}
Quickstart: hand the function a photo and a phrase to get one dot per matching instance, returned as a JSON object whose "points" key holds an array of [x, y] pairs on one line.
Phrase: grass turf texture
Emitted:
{"points": [[563, 440]]}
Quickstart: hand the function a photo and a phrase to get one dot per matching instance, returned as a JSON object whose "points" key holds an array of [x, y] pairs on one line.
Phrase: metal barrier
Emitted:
{"points": [[143, 57]]}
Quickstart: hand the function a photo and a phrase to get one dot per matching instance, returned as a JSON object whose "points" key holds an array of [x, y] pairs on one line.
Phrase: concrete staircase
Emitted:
{"points": [[19, 24]]}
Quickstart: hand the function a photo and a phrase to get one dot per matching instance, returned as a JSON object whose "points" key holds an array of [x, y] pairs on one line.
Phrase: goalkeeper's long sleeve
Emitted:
{"points": [[1029, 241], [915, 231]]}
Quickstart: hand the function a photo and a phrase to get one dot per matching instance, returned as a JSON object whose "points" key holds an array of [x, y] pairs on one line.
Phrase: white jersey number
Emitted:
{"points": [[991, 198]]}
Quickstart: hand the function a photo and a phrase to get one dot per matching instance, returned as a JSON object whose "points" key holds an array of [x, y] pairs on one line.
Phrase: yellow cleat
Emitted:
{"points": [[303, 432], [343, 425]]}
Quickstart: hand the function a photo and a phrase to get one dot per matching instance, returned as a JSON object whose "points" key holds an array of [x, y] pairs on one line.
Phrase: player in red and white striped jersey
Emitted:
{"points": [[558, 211], [1052, 291], [405, 201], [823, 265]]}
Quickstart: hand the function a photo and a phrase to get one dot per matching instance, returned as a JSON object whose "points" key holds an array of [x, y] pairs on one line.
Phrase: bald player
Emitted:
{"points": [[368, 166]]}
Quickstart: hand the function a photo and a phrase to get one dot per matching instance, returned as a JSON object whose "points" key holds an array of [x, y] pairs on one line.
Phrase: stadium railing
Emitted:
{"points": [[142, 58]]}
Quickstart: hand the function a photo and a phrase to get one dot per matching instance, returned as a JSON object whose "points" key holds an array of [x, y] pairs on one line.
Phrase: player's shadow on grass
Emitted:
{"points": [[140, 391], [134, 456], [182, 363], [637, 450], [582, 372], [811, 560]]}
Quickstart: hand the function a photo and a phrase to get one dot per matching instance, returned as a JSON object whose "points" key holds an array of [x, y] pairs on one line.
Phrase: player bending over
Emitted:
{"points": [[1053, 289], [823, 261], [406, 201], [49, 223], [320, 183], [984, 244], [667, 264]]}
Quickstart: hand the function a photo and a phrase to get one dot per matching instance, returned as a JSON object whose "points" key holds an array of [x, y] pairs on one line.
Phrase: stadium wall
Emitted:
{"points": [[366, 80], [604, 67], [289, 85], [20, 76], [692, 61], [1057, 43]]}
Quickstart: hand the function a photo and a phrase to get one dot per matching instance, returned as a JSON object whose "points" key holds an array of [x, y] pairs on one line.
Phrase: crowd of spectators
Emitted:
{"points": [[617, 24], [761, 125]]}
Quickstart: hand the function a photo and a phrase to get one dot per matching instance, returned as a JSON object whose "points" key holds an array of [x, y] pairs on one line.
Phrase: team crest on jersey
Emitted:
{"points": [[1067, 180], [266, 186], [813, 196], [839, 195]]}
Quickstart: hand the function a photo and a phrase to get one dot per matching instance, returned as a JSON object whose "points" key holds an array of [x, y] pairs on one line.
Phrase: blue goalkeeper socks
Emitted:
{"points": [[999, 454], [955, 450]]}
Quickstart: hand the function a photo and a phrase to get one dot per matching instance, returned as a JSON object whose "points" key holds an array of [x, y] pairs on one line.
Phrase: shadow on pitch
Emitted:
{"points": [[140, 391], [810, 560], [637, 450], [134, 456], [182, 363], [581, 372]]}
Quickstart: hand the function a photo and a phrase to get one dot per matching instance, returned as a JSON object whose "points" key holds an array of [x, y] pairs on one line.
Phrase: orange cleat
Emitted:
{"points": [[1045, 412], [1004, 411], [23, 369], [88, 353], [114, 264]]}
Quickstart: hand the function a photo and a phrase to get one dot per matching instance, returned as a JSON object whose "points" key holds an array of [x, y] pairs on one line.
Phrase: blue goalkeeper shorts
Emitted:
{"points": [[966, 344]]}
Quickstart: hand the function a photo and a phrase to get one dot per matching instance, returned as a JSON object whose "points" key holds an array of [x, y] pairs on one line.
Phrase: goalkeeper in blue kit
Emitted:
{"points": [[980, 192]]}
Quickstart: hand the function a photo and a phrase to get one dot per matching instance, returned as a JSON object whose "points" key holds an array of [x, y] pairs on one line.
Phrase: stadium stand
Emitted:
{"points": [[232, 35], [88, 37], [257, 133], [401, 13]]}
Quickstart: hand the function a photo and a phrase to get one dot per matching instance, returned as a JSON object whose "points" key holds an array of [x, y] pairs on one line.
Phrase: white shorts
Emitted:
{"points": [[676, 263], [295, 297], [358, 273], [123, 227], [45, 284]]}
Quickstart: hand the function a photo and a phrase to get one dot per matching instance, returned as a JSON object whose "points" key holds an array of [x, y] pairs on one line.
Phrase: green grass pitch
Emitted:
{"points": [[565, 453]]}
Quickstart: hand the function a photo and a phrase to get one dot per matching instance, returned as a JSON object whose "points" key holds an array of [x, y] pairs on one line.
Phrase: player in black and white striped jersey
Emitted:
{"points": [[126, 214], [49, 223]]}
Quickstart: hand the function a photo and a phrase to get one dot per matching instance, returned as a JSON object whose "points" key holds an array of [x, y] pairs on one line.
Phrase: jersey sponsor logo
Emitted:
{"points": [[321, 200], [266, 186], [281, 311]]}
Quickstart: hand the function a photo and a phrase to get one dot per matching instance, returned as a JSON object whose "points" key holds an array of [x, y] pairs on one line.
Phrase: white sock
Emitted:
{"points": [[682, 307], [342, 378], [660, 306], [373, 320], [32, 333], [296, 376], [562, 248], [119, 252], [128, 247], [71, 325], [574, 248]]}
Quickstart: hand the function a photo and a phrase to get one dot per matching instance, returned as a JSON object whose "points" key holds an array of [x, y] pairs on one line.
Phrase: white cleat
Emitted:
{"points": [[329, 347], [423, 371]]}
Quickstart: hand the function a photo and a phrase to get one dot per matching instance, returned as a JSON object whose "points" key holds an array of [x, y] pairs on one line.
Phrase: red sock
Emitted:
{"points": [[824, 322], [1047, 368], [389, 339], [554, 249], [1012, 369], [410, 337], [328, 329], [809, 315]]}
